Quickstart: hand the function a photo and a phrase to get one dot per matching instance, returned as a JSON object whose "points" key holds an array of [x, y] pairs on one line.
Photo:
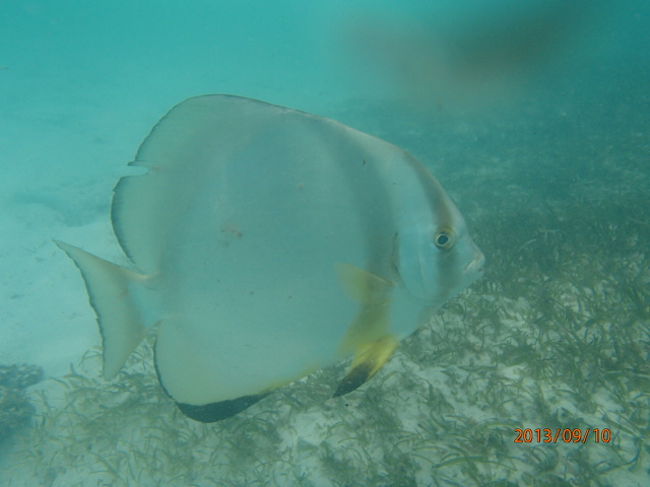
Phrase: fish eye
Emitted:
{"points": [[444, 239]]}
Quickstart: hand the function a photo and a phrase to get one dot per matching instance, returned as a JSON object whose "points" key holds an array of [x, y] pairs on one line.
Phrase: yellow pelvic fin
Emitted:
{"points": [[372, 321], [368, 336], [369, 359]]}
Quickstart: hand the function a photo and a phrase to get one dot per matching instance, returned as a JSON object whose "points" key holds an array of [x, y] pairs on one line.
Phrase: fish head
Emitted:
{"points": [[435, 257]]}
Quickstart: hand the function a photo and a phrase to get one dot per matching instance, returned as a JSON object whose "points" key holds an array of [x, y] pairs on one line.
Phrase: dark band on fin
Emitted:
{"points": [[370, 358], [216, 411], [354, 379]]}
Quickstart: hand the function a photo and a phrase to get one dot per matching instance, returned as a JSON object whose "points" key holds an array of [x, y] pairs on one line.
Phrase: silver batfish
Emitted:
{"points": [[267, 243]]}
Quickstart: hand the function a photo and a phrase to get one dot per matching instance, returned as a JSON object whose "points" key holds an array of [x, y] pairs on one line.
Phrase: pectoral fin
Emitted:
{"points": [[363, 286]]}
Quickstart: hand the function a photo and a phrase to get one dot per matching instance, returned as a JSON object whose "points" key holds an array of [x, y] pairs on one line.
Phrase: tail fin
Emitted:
{"points": [[117, 315]]}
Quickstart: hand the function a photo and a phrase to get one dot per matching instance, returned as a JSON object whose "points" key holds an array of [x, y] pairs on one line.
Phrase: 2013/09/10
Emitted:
{"points": [[568, 435]]}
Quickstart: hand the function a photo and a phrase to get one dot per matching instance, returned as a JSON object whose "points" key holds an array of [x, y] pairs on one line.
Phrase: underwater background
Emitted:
{"points": [[534, 116]]}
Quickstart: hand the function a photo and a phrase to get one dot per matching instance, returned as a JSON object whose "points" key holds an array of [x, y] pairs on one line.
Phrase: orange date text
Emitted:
{"points": [[566, 435]]}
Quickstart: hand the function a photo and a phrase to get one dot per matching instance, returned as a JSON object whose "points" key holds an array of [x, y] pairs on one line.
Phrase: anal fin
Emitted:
{"points": [[217, 411], [369, 359]]}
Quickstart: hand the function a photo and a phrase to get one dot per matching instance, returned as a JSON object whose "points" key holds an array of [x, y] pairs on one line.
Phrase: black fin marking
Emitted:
{"points": [[216, 411], [354, 379]]}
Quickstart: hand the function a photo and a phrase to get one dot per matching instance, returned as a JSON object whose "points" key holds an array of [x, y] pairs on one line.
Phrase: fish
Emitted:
{"points": [[265, 243]]}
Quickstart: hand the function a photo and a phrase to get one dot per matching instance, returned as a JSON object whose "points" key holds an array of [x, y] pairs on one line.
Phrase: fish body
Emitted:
{"points": [[266, 243]]}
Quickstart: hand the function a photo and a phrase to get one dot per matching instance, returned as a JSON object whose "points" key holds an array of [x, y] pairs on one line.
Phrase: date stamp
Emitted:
{"points": [[566, 435]]}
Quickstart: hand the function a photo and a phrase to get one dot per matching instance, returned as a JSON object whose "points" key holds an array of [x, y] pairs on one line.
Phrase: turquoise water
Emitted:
{"points": [[535, 118]]}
